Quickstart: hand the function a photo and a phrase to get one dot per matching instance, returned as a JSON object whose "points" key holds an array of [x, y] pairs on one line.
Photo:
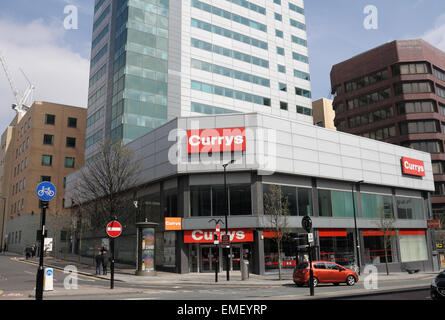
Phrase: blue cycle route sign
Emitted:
{"points": [[46, 191]]}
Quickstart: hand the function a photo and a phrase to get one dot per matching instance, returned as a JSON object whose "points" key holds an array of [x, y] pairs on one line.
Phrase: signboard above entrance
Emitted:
{"points": [[206, 236]]}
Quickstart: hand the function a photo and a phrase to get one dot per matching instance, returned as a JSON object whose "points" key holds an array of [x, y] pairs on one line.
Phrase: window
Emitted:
{"points": [[210, 200], [439, 74], [282, 87], [413, 245], [69, 162], [279, 34], [367, 80], [47, 160], [410, 208], [416, 107], [438, 167], [72, 123], [45, 178], [299, 199], [277, 2], [411, 68], [301, 75], [376, 205], [50, 119], [283, 105], [425, 126], [70, 142], [431, 146], [278, 16], [413, 87], [333, 203], [337, 245], [48, 139], [375, 252], [281, 68], [303, 92], [280, 51]]}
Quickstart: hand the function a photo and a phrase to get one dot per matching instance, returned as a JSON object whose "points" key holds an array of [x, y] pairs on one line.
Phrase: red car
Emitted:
{"points": [[324, 272]]}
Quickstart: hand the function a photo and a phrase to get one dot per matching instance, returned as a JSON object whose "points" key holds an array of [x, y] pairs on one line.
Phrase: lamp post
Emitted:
{"points": [[226, 212], [3, 223], [357, 244]]}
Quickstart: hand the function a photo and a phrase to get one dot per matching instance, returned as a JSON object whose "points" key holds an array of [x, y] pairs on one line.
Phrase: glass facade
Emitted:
{"points": [[376, 205], [139, 102], [338, 204], [206, 201], [299, 199]]}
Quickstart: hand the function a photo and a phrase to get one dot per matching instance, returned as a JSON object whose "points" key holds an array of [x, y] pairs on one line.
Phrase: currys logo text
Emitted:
{"points": [[413, 167], [216, 140]]}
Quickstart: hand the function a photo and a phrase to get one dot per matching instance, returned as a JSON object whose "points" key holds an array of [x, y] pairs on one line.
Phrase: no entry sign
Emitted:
{"points": [[114, 229]]}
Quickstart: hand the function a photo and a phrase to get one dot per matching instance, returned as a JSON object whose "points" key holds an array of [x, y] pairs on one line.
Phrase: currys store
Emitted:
{"points": [[196, 171]]}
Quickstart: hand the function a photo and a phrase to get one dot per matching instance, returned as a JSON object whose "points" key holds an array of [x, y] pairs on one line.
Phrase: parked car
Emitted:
{"points": [[438, 287], [324, 272]]}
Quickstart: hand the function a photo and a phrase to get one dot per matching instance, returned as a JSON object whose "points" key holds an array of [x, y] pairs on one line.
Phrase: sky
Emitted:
{"points": [[56, 60]]}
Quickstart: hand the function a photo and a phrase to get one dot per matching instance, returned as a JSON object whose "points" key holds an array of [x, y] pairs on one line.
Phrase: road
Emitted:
{"points": [[17, 280], [409, 295]]}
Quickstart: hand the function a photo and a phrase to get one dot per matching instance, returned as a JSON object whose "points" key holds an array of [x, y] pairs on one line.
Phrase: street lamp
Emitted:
{"points": [[226, 211], [3, 223], [357, 245]]}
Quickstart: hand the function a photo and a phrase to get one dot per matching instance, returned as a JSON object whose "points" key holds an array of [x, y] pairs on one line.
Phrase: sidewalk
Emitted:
{"points": [[126, 274]]}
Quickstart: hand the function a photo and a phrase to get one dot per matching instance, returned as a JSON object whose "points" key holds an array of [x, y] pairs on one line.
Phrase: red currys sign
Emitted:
{"points": [[114, 229], [216, 140], [413, 167], [206, 236]]}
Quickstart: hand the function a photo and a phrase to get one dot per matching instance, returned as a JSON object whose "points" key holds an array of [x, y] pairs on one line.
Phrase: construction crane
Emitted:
{"points": [[24, 101]]}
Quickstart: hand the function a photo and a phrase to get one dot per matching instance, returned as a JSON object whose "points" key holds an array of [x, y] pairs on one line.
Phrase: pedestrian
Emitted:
{"points": [[99, 259], [27, 253], [33, 250], [105, 261]]}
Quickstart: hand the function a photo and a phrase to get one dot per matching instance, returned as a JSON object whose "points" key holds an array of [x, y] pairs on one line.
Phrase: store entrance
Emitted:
{"points": [[209, 257], [237, 254]]}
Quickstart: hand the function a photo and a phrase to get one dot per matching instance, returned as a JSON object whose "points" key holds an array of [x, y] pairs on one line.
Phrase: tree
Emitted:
{"points": [[104, 182], [276, 209], [387, 225]]}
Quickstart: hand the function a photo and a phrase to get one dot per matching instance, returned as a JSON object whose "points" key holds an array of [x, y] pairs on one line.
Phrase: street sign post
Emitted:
{"points": [[114, 230], [306, 223], [45, 191]]}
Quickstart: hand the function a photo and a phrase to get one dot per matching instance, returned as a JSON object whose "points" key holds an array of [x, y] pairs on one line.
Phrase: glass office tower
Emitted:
{"points": [[155, 60]]}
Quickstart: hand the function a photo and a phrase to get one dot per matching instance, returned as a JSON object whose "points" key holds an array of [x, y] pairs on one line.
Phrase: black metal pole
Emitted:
{"points": [[227, 227], [311, 272], [357, 247], [112, 264], [39, 278]]}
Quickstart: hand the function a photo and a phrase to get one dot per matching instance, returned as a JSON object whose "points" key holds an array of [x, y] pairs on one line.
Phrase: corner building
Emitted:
{"points": [[317, 169], [155, 60], [396, 93]]}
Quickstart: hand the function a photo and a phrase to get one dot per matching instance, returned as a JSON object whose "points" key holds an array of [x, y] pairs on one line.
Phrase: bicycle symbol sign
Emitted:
{"points": [[46, 191]]}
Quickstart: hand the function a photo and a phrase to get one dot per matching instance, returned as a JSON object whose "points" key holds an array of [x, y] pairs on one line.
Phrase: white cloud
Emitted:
{"points": [[436, 36], [59, 74]]}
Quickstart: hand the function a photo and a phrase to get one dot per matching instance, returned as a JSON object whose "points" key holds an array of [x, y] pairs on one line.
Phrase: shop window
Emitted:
{"points": [[375, 249], [337, 204], [413, 245], [288, 253], [375, 205], [410, 208], [337, 245]]}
